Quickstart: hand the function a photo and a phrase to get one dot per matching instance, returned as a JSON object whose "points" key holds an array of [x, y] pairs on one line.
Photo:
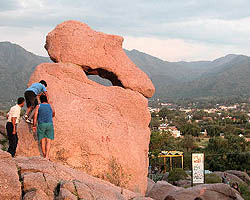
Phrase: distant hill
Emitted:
{"points": [[225, 77]]}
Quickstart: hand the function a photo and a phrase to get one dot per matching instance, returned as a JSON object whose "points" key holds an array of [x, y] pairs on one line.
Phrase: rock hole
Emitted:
{"points": [[103, 77]]}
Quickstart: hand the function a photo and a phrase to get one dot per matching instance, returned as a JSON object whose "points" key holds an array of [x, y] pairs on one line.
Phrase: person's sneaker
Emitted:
{"points": [[30, 121], [25, 117]]}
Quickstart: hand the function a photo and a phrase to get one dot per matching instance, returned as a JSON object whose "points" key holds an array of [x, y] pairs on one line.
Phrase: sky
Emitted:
{"points": [[173, 30]]}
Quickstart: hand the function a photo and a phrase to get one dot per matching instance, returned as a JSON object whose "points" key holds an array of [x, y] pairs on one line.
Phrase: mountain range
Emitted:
{"points": [[224, 77]]}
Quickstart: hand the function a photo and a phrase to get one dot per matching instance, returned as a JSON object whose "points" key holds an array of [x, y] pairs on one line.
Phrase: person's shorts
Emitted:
{"points": [[45, 130], [30, 98]]}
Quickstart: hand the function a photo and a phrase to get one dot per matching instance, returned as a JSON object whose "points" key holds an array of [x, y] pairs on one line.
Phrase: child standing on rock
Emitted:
{"points": [[43, 124]]}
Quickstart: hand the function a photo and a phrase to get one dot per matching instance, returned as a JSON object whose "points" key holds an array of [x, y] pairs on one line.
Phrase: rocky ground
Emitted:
{"points": [[37, 178], [30, 178]]}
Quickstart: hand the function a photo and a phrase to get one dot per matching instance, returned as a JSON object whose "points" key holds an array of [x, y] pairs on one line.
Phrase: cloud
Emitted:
{"points": [[211, 23], [32, 40], [6, 5], [181, 50]]}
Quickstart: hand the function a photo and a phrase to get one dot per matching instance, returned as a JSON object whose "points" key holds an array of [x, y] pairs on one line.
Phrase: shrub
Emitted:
{"points": [[176, 175], [212, 178], [244, 191], [116, 174]]}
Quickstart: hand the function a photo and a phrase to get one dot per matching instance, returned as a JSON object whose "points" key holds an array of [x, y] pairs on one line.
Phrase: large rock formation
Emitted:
{"points": [[100, 130], [98, 53]]}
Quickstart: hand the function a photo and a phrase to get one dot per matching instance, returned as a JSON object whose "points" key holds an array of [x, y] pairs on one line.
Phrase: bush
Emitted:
{"points": [[177, 174], [244, 191], [116, 174], [212, 178]]}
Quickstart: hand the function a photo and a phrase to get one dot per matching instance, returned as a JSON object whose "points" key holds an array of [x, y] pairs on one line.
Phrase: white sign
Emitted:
{"points": [[198, 167]]}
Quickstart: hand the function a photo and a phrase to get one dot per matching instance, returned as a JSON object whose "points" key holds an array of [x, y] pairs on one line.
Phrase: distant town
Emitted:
{"points": [[219, 120]]}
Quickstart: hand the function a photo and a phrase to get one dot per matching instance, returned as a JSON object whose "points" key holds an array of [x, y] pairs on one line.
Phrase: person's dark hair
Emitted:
{"points": [[43, 82], [43, 99], [20, 100], [198, 198]]}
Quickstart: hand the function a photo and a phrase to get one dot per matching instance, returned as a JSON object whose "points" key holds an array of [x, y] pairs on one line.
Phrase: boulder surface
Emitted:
{"points": [[242, 175], [205, 192], [161, 189], [10, 187]]}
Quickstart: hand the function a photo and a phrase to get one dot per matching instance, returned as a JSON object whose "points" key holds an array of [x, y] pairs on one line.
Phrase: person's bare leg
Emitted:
{"points": [[43, 147], [48, 144], [32, 114]]}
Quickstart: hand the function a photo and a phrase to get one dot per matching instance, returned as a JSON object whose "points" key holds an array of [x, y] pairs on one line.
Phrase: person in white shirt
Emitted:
{"points": [[13, 117]]}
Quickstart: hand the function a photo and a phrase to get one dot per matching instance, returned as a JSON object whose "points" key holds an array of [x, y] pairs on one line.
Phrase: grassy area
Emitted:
{"points": [[245, 192]]}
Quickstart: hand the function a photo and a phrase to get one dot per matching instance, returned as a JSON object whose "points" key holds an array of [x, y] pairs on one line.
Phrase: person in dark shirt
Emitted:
{"points": [[43, 124]]}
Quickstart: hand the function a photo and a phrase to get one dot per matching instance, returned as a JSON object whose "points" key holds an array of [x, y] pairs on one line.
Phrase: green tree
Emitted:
{"points": [[217, 145], [188, 142], [154, 123], [236, 143], [190, 129], [213, 130]]}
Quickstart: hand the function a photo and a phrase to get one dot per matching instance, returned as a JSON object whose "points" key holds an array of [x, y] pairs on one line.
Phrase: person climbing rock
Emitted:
{"points": [[43, 124], [13, 117], [31, 96]]}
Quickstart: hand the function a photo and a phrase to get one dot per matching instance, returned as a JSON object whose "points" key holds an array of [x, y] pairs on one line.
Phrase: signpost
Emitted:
{"points": [[198, 175]]}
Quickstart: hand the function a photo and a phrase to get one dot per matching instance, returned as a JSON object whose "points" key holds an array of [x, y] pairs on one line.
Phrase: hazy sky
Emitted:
{"points": [[172, 30]]}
